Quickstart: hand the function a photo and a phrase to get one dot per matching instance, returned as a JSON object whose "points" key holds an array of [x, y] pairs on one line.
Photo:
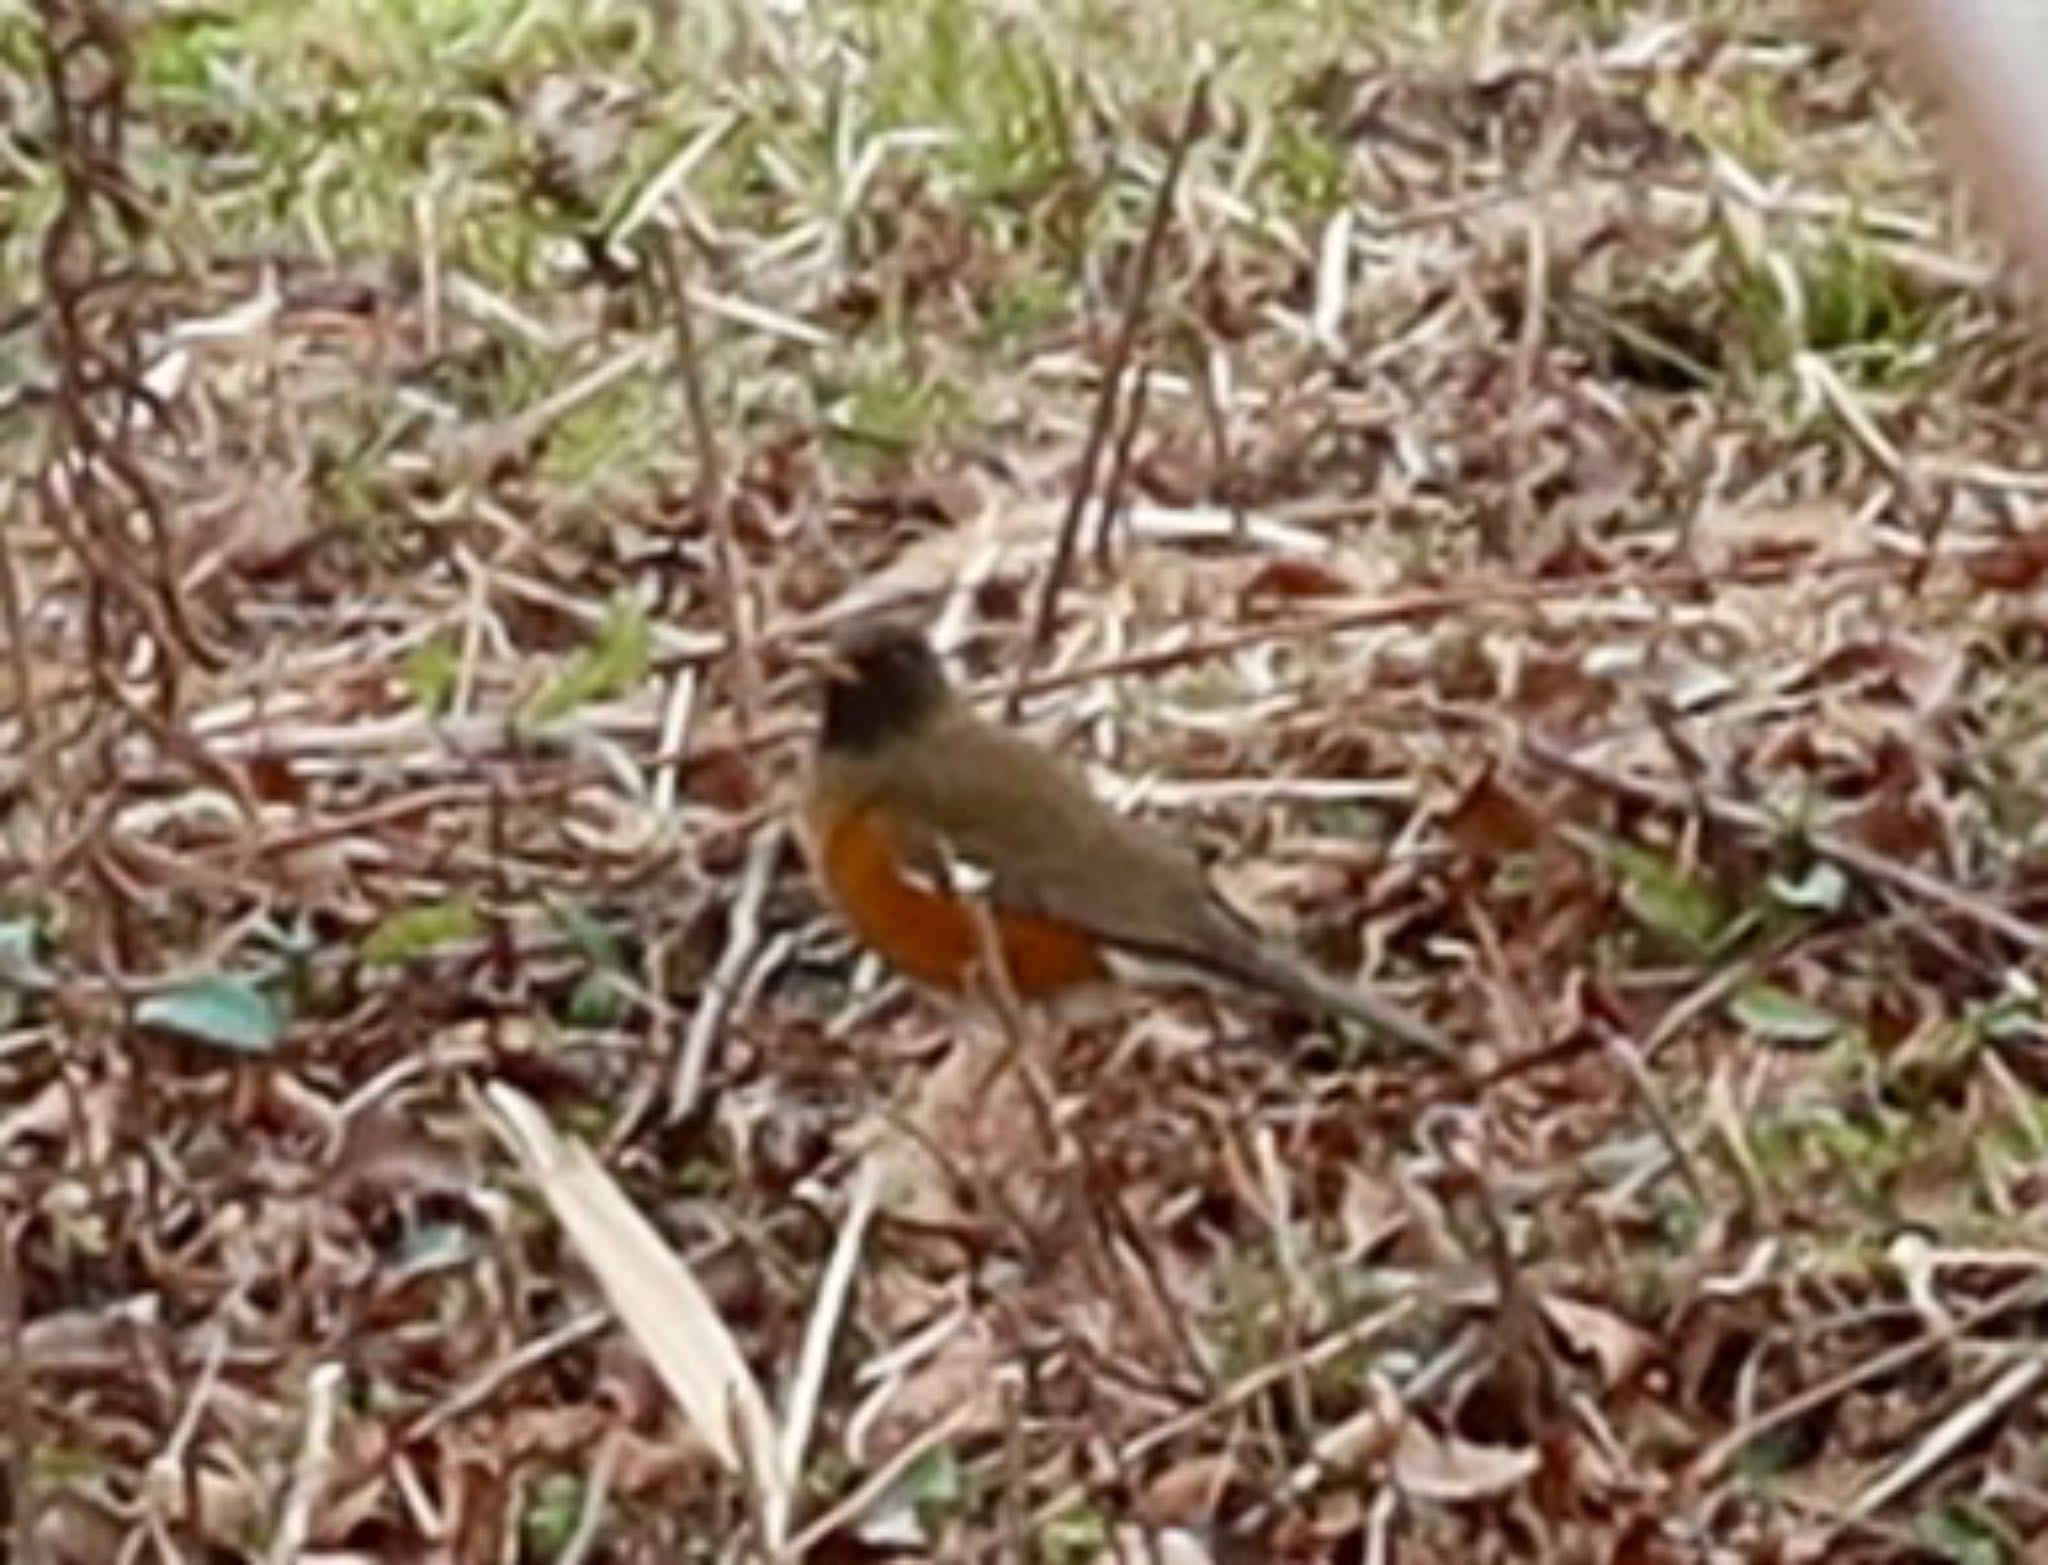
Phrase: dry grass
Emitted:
{"points": [[1580, 560]]}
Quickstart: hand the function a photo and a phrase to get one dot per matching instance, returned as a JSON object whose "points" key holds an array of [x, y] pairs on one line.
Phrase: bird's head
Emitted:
{"points": [[882, 680]]}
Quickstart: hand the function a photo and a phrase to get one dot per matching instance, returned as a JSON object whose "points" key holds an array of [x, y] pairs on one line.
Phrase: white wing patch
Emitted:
{"points": [[965, 878], [959, 876]]}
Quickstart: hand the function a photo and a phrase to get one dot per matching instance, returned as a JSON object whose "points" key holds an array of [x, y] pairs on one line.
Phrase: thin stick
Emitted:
{"points": [[2024, 1294], [1413, 607], [584, 1541], [1193, 118], [1251, 1385], [20, 1415], [1631, 1062], [1953, 1432], [316, 1459], [472, 1395], [1505, 537], [828, 1310], [14, 623], [1119, 465], [742, 944], [1756, 821], [884, 1478], [1212, 386], [1697, 1002], [714, 503]]}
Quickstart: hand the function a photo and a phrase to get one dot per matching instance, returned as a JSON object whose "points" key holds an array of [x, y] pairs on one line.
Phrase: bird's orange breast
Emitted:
{"points": [[931, 936]]}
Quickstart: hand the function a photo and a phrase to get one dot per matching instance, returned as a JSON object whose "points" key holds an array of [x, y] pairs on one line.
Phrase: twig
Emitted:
{"points": [[1114, 1222], [742, 942], [884, 1478], [1698, 1001], [1871, 865], [1631, 1061], [714, 500], [1193, 118], [1505, 542], [92, 328], [676, 714], [1957, 1429], [173, 1473], [1416, 607], [1015, 1524], [2025, 1293], [1119, 465], [1911, 491], [1295, 1300], [466, 1398], [19, 1418], [597, 1489], [990, 982], [1820, 377], [316, 1457], [526, 429], [1255, 1384], [807, 1384], [24, 705], [1212, 386]]}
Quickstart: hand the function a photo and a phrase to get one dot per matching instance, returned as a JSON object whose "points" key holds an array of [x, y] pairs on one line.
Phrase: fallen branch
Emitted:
{"points": [[1755, 821], [1105, 419]]}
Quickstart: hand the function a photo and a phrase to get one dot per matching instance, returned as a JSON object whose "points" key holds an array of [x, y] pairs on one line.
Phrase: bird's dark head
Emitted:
{"points": [[882, 681]]}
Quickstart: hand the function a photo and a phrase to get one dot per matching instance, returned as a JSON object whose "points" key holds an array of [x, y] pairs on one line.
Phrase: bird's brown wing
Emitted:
{"points": [[1002, 814], [1029, 829]]}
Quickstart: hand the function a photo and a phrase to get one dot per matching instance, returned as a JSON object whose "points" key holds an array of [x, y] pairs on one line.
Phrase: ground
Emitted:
{"points": [[1575, 559]]}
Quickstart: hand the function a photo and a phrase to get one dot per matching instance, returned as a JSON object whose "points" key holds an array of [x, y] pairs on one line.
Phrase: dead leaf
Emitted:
{"points": [[2016, 566], [1185, 1494], [1290, 579], [972, 1125], [1616, 1346], [1491, 820], [1455, 1472], [656, 1296], [957, 1381], [217, 1500]]}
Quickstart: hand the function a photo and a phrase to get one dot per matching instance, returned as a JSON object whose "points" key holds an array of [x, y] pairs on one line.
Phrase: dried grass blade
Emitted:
{"points": [[656, 1296]]}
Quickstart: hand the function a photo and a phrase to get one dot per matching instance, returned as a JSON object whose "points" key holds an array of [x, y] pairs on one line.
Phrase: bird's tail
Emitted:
{"points": [[1256, 962]]}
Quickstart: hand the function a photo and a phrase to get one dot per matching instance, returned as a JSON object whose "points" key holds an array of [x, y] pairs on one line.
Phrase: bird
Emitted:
{"points": [[937, 834]]}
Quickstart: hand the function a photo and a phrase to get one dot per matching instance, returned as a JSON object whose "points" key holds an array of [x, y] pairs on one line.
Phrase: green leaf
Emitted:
{"points": [[614, 662], [432, 1247], [1666, 901], [1780, 1016], [1967, 1533], [936, 1485], [229, 1013], [1078, 1534], [596, 1001], [594, 937], [20, 966], [21, 969], [1822, 889], [414, 932], [918, 1504], [1768, 1456], [554, 1506], [431, 670]]}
